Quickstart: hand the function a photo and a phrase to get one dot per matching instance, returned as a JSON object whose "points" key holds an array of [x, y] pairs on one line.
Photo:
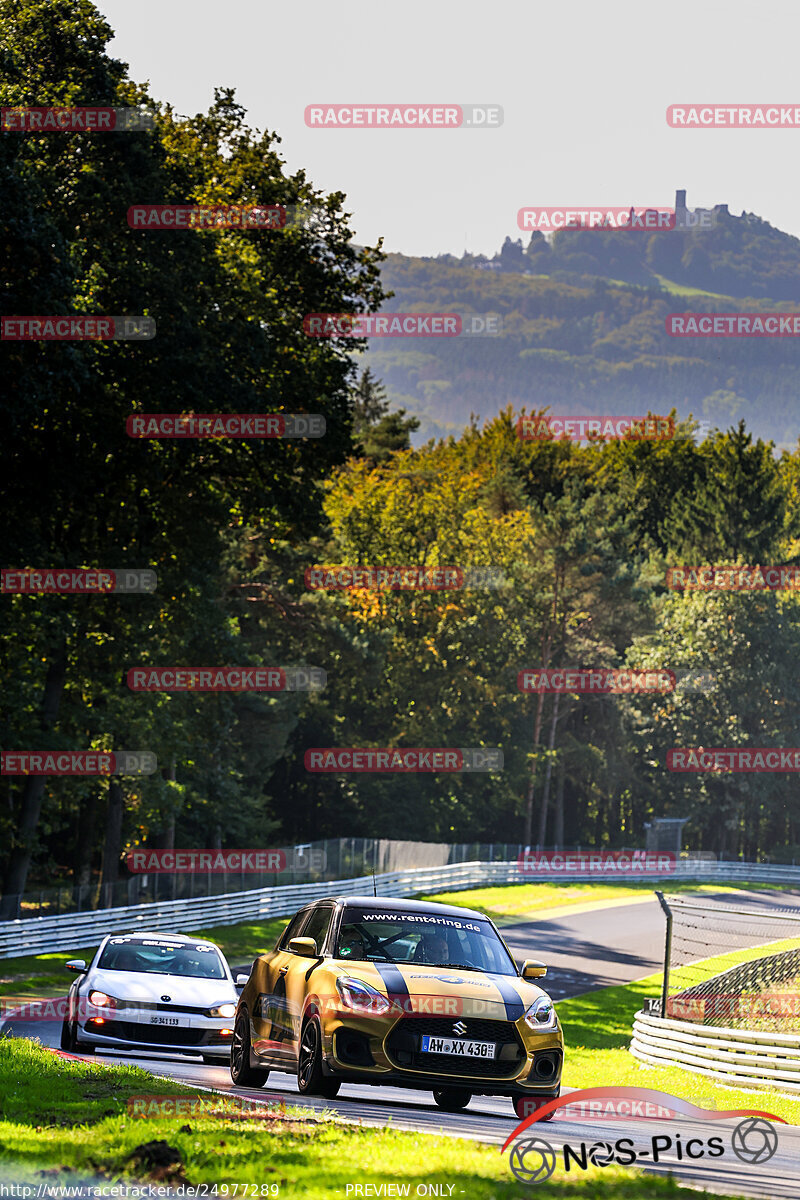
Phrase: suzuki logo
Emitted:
{"points": [[459, 1028]]}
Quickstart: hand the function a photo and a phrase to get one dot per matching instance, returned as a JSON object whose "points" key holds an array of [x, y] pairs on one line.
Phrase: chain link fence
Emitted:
{"points": [[310, 862], [730, 966]]}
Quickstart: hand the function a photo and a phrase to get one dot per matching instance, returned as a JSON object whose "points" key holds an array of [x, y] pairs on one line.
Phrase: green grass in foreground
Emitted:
{"points": [[70, 1120]]}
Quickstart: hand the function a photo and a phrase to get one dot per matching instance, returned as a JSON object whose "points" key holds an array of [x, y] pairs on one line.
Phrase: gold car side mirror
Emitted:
{"points": [[531, 968], [305, 947]]}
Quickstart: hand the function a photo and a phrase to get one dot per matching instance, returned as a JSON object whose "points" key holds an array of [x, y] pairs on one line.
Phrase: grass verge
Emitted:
{"points": [[64, 1121], [597, 1033]]}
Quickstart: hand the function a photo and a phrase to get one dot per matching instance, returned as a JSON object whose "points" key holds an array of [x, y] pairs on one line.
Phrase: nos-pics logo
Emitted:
{"points": [[754, 1139]]}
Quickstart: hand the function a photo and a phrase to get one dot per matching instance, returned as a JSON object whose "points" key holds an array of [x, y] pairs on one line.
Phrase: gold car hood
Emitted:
{"points": [[446, 991]]}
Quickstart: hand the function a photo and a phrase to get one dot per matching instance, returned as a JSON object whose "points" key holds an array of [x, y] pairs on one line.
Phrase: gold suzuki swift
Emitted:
{"points": [[399, 992]]}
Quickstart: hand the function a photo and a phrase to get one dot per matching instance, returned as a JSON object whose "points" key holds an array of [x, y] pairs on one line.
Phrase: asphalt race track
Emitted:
{"points": [[585, 950]]}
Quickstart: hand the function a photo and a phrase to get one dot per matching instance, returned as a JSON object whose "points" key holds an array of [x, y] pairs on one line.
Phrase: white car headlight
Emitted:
{"points": [[361, 997], [102, 1000], [222, 1010], [541, 1014]]}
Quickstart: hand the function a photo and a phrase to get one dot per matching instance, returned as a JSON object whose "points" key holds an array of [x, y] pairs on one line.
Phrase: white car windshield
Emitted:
{"points": [[432, 939], [151, 956]]}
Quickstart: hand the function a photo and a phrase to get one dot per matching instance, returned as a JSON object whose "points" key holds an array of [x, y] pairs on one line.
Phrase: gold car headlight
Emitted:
{"points": [[360, 997], [222, 1010], [541, 1015]]}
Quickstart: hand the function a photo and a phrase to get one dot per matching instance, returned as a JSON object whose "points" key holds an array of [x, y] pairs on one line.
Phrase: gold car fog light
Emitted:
{"points": [[545, 1067], [226, 1033], [353, 1047]]}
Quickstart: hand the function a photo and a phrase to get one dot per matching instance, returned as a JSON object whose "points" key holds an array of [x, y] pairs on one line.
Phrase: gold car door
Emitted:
{"points": [[272, 1023]]}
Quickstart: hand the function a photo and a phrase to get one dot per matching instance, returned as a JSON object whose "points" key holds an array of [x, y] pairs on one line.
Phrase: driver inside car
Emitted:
{"points": [[432, 949]]}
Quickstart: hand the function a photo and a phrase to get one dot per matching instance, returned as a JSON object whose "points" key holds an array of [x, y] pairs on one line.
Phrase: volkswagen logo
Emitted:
{"points": [[532, 1160], [460, 1028], [754, 1140], [167, 998]]}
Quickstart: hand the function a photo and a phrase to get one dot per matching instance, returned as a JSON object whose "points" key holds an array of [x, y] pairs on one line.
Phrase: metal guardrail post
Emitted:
{"points": [[667, 952]]}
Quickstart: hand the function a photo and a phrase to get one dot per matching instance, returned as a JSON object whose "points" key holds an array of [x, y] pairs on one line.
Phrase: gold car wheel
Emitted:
{"points": [[310, 1079], [242, 1074], [308, 1054]]}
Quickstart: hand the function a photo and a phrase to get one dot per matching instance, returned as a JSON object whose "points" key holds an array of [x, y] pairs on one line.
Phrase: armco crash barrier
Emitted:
{"points": [[78, 931], [738, 1057]]}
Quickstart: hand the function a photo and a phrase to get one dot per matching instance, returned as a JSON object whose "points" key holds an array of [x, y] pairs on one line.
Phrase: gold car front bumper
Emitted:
{"points": [[387, 1050]]}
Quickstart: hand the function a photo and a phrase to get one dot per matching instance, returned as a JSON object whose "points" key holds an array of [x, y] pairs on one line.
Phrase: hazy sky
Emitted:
{"points": [[584, 88]]}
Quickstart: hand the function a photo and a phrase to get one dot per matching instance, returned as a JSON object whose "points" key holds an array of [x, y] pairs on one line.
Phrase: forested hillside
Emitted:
{"points": [[583, 328]]}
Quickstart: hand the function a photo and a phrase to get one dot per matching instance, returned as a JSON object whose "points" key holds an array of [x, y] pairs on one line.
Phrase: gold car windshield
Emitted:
{"points": [[429, 939]]}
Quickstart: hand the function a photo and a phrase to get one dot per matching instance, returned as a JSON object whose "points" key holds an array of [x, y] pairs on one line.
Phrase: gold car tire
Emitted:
{"points": [[522, 1106], [242, 1074], [310, 1079], [452, 1099]]}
